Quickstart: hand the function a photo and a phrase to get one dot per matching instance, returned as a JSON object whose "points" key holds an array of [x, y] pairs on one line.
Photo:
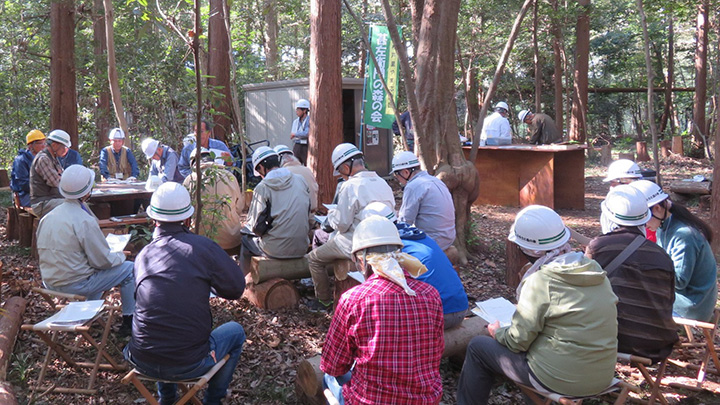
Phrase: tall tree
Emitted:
{"points": [[578, 117], [325, 91], [650, 89], [536, 60], [669, 81], [271, 38], [63, 96], [112, 68], [558, 57], [219, 70], [102, 108], [700, 126]]}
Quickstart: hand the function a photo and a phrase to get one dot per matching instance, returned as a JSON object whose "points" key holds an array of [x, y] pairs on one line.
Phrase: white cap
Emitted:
{"points": [[60, 136], [76, 182], [523, 114], [170, 203], [622, 169], [149, 147], [503, 105], [116, 133], [378, 208], [280, 149], [342, 153], [404, 160], [302, 103], [538, 227], [375, 231], [652, 192], [261, 154], [626, 205]]}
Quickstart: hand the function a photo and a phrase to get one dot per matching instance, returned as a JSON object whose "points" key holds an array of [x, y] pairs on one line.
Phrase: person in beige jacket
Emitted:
{"points": [[290, 162]]}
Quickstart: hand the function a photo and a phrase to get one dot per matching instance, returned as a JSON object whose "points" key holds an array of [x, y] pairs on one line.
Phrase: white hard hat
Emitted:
{"points": [[76, 182], [170, 203], [280, 149], [149, 147], [404, 160], [375, 231], [116, 133], [261, 154], [60, 136], [626, 205], [523, 114], [503, 105], [622, 169], [538, 227], [652, 192], [342, 153], [378, 208], [302, 103]]}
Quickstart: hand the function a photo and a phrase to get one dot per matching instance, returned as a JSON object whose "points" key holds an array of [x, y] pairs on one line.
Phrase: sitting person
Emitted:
{"points": [[20, 174], [563, 334], [163, 162], [117, 161], [386, 338], [222, 199], [45, 173], [426, 201], [206, 142], [278, 214], [644, 281], [172, 334], [290, 162], [440, 272], [686, 238], [74, 256]]}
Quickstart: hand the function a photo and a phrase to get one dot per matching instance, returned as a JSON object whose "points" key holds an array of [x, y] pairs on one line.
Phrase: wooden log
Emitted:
{"points": [[341, 286], [26, 229], [677, 145], [691, 187], [514, 261], [12, 229], [665, 148], [7, 394], [606, 155], [310, 377], [642, 153], [33, 245], [630, 156], [4, 180], [272, 294], [453, 255], [265, 268], [10, 322]]}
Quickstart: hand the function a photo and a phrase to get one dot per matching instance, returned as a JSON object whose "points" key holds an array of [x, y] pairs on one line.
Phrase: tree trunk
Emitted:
{"points": [[63, 95], [699, 124], [363, 48], [271, 34], [578, 118], [219, 70], [197, 31], [112, 69], [325, 89], [102, 110], [558, 67], [536, 59], [715, 205], [650, 99], [272, 294], [472, 97], [670, 79]]}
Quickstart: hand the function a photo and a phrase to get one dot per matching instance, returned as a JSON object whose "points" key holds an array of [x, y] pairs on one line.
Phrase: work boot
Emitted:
{"points": [[320, 306]]}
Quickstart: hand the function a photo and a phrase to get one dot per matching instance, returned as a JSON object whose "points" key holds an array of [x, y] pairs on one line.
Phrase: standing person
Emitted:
{"points": [[163, 161], [406, 122], [426, 201], [45, 173], [563, 334], [542, 128], [496, 127], [686, 238], [20, 175], [360, 189], [300, 130], [116, 160], [74, 256], [386, 338], [290, 162], [279, 212], [172, 336], [642, 276], [206, 141]]}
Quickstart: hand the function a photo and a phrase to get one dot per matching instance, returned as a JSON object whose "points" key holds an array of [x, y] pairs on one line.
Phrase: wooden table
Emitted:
{"points": [[120, 197], [521, 175]]}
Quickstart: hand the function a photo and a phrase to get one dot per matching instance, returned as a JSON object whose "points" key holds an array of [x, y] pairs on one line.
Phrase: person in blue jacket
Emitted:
{"points": [[71, 158], [440, 274], [206, 142], [20, 175], [686, 238]]}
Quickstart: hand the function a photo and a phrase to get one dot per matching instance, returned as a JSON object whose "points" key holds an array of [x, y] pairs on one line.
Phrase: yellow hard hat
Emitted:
{"points": [[34, 135]]}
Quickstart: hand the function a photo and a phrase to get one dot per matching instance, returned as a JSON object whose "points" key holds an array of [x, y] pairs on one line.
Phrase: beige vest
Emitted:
{"points": [[112, 164]]}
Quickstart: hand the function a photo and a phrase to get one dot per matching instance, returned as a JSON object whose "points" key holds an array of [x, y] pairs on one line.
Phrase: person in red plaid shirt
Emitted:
{"points": [[386, 337]]}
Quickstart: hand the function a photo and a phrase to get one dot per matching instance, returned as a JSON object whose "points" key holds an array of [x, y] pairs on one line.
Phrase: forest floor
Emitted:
{"points": [[277, 341]]}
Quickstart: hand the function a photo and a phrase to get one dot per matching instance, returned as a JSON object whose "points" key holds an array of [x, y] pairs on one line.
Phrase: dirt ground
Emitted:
{"points": [[279, 340]]}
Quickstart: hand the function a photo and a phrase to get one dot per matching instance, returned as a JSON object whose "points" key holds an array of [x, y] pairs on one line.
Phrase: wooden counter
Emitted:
{"points": [[120, 197]]}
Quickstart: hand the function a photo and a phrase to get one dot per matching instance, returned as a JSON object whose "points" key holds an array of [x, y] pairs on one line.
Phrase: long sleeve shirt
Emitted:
{"points": [[301, 129], [184, 164], [395, 341], [73, 157], [167, 167], [45, 173], [103, 163], [20, 176], [428, 205], [496, 126]]}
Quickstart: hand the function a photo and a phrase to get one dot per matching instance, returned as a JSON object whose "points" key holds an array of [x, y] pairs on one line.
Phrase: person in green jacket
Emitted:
{"points": [[563, 335]]}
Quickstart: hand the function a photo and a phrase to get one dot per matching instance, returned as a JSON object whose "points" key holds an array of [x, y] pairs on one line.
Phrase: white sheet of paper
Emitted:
{"points": [[117, 242], [330, 206], [320, 218], [75, 313], [357, 276], [495, 309]]}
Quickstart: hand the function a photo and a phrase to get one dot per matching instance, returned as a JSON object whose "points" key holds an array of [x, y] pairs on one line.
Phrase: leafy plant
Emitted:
{"points": [[213, 203], [140, 235], [21, 368]]}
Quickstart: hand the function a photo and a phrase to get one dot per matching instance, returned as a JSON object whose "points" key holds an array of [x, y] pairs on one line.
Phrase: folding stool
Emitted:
{"points": [[639, 363], [546, 397], [708, 329], [189, 387]]}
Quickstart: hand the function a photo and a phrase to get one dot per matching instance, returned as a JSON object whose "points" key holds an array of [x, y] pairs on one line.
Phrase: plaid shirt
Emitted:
{"points": [[48, 168], [395, 340]]}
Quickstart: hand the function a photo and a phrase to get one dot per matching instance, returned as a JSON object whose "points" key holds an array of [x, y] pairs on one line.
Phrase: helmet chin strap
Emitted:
{"points": [[665, 214]]}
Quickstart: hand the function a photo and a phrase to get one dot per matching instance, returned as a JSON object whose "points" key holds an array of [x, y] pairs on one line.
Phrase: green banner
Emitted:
{"points": [[378, 110]]}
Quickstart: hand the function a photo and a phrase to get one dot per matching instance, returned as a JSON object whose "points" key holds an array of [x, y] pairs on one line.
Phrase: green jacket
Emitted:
{"points": [[566, 321]]}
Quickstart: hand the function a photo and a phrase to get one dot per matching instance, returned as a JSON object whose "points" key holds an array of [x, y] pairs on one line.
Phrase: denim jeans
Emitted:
{"points": [[102, 280], [335, 384], [225, 339]]}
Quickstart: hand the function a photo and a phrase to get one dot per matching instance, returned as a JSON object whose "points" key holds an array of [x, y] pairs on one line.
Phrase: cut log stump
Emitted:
{"points": [[12, 229], [629, 156], [677, 145], [4, 180], [642, 153], [515, 260], [310, 380], [606, 155], [265, 268], [26, 229], [33, 244], [272, 294], [691, 187], [10, 322], [665, 148]]}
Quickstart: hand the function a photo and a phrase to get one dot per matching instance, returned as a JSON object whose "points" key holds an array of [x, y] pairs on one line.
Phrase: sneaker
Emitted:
{"points": [[320, 306]]}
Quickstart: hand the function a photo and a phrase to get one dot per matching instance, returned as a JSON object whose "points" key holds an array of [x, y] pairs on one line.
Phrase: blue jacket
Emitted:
{"points": [[166, 167], [20, 176], [695, 269], [72, 158], [440, 274]]}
